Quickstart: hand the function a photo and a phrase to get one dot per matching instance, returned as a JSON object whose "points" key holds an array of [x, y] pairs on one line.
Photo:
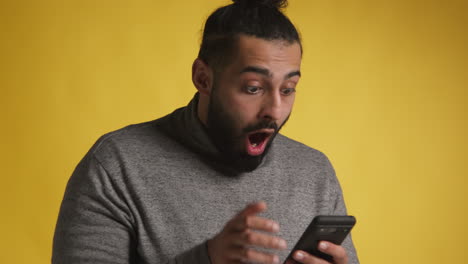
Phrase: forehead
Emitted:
{"points": [[272, 54]]}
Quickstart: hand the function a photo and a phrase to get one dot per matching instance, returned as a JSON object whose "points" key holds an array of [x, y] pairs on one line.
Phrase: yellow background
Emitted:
{"points": [[383, 94]]}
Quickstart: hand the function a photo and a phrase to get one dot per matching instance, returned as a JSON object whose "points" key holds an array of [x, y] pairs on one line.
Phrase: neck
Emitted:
{"points": [[202, 108]]}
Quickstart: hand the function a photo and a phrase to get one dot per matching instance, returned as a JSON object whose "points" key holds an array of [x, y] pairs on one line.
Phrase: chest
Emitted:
{"points": [[187, 202]]}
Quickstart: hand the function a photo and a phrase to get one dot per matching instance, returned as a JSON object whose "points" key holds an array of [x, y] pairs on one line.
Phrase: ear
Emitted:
{"points": [[202, 76]]}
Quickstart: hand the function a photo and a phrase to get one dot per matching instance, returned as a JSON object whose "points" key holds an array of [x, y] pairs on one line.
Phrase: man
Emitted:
{"points": [[193, 187]]}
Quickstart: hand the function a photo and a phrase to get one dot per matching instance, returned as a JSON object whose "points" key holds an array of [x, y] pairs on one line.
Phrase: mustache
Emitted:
{"points": [[261, 125]]}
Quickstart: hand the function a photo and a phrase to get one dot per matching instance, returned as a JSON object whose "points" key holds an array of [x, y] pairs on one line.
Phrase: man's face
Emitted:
{"points": [[252, 98]]}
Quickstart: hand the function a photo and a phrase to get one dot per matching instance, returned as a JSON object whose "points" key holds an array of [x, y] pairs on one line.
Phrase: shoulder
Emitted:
{"points": [[299, 152], [135, 141], [125, 136]]}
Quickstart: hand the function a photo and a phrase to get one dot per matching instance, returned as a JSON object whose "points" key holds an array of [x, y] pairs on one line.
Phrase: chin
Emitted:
{"points": [[248, 163]]}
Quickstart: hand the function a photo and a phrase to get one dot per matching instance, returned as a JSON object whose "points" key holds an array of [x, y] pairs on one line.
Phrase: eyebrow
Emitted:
{"points": [[267, 73]]}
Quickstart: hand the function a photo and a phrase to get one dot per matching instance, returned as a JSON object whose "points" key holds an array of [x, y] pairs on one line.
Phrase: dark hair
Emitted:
{"points": [[258, 18]]}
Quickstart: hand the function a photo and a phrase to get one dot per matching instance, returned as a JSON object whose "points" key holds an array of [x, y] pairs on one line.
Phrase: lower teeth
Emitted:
{"points": [[254, 144]]}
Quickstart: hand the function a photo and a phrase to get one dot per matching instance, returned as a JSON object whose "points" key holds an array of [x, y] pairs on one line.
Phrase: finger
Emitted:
{"points": [[242, 223], [252, 238], [337, 252], [290, 261], [253, 208], [306, 258], [250, 255]]}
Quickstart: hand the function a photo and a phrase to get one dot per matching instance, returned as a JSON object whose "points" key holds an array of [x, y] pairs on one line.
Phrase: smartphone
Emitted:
{"points": [[332, 228]]}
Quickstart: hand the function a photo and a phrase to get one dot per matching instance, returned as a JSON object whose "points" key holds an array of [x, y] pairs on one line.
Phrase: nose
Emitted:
{"points": [[271, 108]]}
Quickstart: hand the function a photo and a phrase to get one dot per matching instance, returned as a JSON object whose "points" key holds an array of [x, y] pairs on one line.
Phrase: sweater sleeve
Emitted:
{"points": [[95, 224], [338, 207], [198, 254]]}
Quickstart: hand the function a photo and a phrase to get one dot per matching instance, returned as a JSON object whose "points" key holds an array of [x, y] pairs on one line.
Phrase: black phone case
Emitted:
{"points": [[330, 228]]}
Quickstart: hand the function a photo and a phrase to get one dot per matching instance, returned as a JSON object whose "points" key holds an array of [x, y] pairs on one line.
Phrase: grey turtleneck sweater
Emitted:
{"points": [[155, 193]]}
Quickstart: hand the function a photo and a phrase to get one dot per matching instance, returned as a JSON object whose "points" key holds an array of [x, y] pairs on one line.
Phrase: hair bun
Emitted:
{"points": [[269, 3]]}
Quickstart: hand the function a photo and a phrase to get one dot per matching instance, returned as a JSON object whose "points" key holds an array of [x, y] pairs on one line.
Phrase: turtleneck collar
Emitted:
{"points": [[184, 126]]}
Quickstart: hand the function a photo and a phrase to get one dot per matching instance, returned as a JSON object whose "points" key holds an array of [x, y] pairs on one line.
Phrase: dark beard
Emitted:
{"points": [[221, 129]]}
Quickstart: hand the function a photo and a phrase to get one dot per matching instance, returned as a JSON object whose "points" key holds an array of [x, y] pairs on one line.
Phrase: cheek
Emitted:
{"points": [[238, 105], [244, 112], [287, 108], [236, 109]]}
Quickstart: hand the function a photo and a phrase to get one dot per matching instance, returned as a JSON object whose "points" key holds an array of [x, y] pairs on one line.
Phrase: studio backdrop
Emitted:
{"points": [[383, 93]]}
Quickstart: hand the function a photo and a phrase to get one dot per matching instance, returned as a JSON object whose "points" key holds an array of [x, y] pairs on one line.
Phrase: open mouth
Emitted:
{"points": [[256, 142]]}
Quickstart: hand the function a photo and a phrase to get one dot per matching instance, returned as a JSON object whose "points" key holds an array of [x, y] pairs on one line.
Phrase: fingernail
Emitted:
{"points": [[299, 255], [323, 246], [275, 227], [282, 244], [275, 259]]}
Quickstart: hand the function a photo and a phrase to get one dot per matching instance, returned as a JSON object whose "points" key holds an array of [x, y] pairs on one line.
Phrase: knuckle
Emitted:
{"points": [[249, 237], [274, 242], [342, 256], [247, 221], [338, 252], [272, 259], [248, 253]]}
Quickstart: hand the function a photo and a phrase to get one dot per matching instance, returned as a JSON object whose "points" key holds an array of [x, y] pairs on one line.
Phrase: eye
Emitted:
{"points": [[288, 91], [252, 89]]}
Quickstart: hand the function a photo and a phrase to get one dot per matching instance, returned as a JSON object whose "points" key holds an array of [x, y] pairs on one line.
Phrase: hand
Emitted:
{"points": [[233, 244], [337, 252]]}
